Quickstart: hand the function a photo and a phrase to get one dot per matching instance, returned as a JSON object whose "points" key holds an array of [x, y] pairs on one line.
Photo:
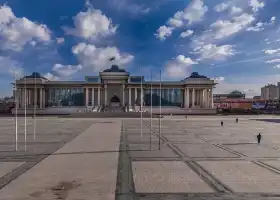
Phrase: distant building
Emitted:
{"points": [[257, 97], [233, 95], [270, 92]]}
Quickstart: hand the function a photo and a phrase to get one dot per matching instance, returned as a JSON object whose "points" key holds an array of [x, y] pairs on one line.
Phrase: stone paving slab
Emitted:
{"points": [[167, 177], [273, 163], [204, 150], [183, 139], [85, 168], [143, 150], [254, 150], [141, 139], [244, 176], [7, 167]]}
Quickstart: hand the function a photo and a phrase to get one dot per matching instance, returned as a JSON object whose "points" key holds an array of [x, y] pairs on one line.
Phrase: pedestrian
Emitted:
{"points": [[236, 120], [259, 137], [222, 123]]}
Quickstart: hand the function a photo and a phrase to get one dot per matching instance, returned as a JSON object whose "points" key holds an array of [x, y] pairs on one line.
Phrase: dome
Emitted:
{"points": [[114, 68], [196, 75], [35, 75]]}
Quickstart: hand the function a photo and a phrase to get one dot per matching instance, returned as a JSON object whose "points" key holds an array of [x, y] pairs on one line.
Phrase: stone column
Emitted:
{"points": [[35, 98], [141, 96], [187, 98], [123, 94], [92, 96], [41, 97], [105, 90], [44, 98], [86, 96], [98, 96], [193, 98], [129, 97], [211, 99], [29, 97], [135, 92]]}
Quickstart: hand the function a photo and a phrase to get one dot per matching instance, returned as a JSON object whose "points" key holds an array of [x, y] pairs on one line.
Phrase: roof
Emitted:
{"points": [[114, 68], [35, 75], [197, 75]]}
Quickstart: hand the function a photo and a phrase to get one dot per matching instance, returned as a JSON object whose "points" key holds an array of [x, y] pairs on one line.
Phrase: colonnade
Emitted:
{"points": [[30, 97]]}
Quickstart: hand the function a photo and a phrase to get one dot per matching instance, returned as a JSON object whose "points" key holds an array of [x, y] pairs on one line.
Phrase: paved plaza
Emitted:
{"points": [[177, 158]]}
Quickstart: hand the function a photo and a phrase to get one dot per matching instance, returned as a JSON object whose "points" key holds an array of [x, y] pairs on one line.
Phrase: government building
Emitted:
{"points": [[114, 87]]}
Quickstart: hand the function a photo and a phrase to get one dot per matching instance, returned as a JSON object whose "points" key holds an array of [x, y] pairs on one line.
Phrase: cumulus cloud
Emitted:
{"points": [[179, 67], [193, 13], [91, 25], [274, 61], [163, 32], [66, 70], [16, 32], [215, 52], [256, 5], [186, 33], [277, 66], [96, 59], [51, 77], [60, 40], [222, 7], [271, 51]]}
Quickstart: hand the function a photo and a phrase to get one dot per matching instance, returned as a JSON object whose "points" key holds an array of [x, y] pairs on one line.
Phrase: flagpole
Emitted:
{"points": [[16, 102], [141, 101], [151, 110], [25, 98], [159, 141], [35, 105]]}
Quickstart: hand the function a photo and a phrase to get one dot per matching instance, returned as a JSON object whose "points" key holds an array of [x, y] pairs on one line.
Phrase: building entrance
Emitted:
{"points": [[115, 101]]}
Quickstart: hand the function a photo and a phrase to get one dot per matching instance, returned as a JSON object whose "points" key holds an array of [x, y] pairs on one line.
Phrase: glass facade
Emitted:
{"points": [[93, 80], [169, 97], [65, 97]]}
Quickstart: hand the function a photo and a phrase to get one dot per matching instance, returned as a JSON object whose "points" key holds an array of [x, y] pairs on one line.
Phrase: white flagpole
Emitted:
{"points": [[141, 101], [159, 109], [35, 105], [16, 102], [25, 98], [151, 110]]}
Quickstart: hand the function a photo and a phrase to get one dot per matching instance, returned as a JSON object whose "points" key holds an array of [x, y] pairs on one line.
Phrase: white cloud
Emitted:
{"points": [[221, 7], [163, 32], [178, 68], [11, 67], [60, 40], [95, 59], [272, 20], [66, 70], [235, 10], [17, 32], [274, 61], [129, 7], [271, 51], [219, 79], [186, 33], [256, 5], [215, 52], [91, 25], [193, 13], [258, 27], [51, 77], [225, 28], [277, 66]]}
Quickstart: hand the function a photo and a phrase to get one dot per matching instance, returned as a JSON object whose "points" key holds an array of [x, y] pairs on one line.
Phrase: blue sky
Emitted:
{"points": [[236, 42]]}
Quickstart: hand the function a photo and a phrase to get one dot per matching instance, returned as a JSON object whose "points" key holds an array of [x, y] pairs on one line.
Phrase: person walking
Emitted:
{"points": [[222, 123], [236, 120], [259, 137]]}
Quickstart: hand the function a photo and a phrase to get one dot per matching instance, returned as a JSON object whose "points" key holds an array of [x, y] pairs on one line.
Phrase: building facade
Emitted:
{"points": [[114, 87], [270, 92]]}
